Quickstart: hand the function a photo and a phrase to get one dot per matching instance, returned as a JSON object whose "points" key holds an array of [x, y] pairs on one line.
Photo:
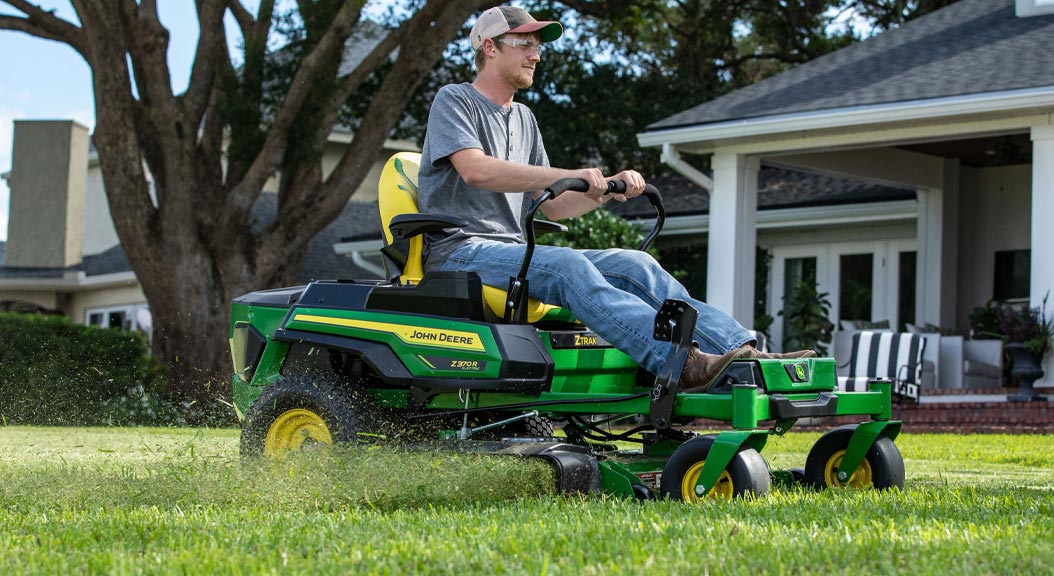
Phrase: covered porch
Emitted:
{"points": [[983, 171], [957, 105]]}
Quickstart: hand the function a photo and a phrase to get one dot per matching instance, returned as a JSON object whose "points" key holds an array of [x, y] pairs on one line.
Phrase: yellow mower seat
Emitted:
{"points": [[397, 194]]}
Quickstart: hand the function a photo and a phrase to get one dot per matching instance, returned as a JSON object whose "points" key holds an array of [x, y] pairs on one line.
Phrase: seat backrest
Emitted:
{"points": [[404, 259], [397, 194], [893, 355]]}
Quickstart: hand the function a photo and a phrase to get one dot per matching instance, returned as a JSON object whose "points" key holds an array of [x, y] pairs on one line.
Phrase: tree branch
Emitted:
{"points": [[255, 41], [777, 56], [242, 16], [149, 7], [349, 84], [44, 24], [426, 35], [210, 152], [267, 160], [147, 42], [354, 79], [117, 134], [212, 51]]}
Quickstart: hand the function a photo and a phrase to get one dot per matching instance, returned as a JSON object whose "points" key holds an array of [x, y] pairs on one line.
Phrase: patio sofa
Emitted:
{"points": [[948, 361]]}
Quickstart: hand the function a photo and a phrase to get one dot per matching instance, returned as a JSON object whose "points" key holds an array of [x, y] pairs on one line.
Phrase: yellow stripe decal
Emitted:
{"points": [[418, 335]]}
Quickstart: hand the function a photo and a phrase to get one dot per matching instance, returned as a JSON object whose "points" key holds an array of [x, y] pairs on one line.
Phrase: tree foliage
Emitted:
{"points": [[623, 65]]}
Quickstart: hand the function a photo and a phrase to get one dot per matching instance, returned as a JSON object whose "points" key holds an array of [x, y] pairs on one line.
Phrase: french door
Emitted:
{"points": [[870, 281]]}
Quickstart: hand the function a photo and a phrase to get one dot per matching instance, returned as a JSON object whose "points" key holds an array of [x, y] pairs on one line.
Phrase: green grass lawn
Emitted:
{"points": [[104, 501]]}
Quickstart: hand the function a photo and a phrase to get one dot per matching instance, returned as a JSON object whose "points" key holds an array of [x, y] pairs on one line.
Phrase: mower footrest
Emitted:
{"points": [[781, 407]]}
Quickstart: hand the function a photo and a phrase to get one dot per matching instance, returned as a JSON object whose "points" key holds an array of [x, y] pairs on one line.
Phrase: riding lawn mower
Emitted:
{"points": [[439, 359]]}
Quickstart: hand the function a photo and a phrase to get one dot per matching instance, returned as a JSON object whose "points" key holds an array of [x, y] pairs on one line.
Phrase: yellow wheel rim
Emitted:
{"points": [[862, 478], [723, 489], [294, 430]]}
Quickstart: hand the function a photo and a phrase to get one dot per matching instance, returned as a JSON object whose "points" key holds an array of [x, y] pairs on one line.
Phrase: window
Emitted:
{"points": [[796, 271], [906, 290], [135, 317], [873, 280], [1013, 274], [855, 285]]}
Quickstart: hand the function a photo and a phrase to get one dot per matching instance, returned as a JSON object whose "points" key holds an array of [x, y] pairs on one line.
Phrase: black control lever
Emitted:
{"points": [[516, 303]]}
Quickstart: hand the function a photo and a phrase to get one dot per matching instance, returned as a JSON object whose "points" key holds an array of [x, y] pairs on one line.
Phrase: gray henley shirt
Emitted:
{"points": [[462, 118]]}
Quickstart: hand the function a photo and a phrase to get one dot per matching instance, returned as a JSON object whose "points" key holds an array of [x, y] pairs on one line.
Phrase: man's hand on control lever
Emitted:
{"points": [[634, 184], [597, 184]]}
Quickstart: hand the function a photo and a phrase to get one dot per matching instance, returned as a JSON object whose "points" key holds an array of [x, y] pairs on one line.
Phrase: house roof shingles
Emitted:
{"points": [[970, 47], [777, 188]]}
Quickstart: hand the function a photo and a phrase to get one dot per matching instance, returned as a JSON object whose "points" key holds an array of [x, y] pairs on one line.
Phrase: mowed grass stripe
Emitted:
{"points": [[176, 501]]}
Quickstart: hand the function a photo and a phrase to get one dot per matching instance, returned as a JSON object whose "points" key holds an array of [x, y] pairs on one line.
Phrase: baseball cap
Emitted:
{"points": [[503, 19]]}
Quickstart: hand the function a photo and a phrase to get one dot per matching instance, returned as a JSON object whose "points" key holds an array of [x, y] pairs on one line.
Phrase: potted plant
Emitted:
{"points": [[806, 315], [1027, 333], [984, 322]]}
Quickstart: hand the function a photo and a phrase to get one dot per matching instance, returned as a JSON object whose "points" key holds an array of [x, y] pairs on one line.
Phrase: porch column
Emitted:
{"points": [[733, 236], [938, 250], [1042, 231]]}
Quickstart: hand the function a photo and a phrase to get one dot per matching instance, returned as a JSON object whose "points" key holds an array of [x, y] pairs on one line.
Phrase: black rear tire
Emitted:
{"points": [[882, 468], [534, 427], [745, 475], [299, 412]]}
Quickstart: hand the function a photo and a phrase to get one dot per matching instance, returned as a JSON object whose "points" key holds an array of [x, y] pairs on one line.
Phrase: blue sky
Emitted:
{"points": [[41, 79]]}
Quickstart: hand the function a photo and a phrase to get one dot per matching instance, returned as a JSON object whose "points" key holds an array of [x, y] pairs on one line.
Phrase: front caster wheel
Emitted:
{"points": [[882, 467], [745, 474]]}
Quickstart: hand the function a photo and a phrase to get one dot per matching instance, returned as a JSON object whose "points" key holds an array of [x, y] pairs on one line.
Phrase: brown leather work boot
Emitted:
{"points": [[798, 355], [701, 369]]}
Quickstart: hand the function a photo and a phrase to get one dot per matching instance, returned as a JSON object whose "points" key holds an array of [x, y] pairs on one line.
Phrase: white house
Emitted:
{"points": [[62, 252], [957, 105]]}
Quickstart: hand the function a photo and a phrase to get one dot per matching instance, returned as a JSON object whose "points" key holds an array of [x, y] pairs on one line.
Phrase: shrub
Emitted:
{"points": [[56, 372], [601, 229], [984, 322], [598, 230]]}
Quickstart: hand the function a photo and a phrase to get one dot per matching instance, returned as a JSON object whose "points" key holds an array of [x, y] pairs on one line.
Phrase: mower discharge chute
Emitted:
{"points": [[440, 357]]}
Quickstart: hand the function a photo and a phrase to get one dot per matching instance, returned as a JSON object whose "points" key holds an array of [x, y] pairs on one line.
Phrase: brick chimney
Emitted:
{"points": [[49, 166]]}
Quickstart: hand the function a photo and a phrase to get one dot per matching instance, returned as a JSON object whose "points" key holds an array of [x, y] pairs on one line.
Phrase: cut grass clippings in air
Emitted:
{"points": [[331, 478]]}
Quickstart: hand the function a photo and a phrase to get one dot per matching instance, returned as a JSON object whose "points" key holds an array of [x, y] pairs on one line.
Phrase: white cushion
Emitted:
{"points": [[860, 384]]}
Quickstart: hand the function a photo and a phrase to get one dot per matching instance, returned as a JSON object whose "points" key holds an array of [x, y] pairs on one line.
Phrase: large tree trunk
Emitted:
{"points": [[190, 329]]}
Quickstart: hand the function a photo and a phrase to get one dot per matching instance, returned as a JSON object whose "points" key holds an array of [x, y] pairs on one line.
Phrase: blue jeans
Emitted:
{"points": [[615, 292]]}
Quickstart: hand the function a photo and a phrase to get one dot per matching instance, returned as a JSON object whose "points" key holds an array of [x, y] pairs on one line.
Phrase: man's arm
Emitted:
{"points": [[489, 173]]}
